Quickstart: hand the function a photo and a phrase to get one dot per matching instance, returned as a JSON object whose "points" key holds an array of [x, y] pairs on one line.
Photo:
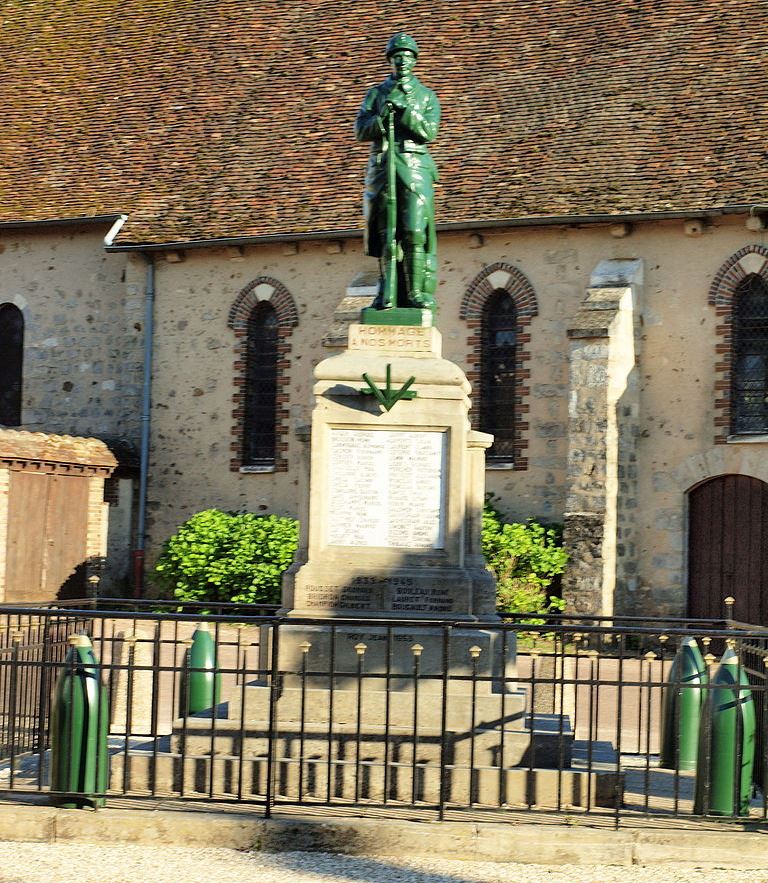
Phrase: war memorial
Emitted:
{"points": [[383, 643], [387, 676]]}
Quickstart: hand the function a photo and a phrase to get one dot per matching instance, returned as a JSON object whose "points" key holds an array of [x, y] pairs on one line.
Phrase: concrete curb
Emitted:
{"points": [[536, 844]]}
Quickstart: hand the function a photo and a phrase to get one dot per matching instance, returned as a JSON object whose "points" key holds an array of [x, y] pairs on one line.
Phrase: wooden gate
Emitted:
{"points": [[728, 548], [47, 536], [52, 515]]}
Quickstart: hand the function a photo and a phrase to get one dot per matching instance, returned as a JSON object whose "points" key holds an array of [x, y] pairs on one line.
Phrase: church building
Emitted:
{"points": [[181, 243]]}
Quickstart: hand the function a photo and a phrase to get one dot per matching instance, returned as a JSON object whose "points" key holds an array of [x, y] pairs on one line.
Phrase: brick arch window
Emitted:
{"points": [[497, 374], [262, 317], [11, 364], [498, 307], [260, 387], [739, 294]]}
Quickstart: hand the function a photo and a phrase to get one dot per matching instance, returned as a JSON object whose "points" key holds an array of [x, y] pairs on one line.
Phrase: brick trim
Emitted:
{"points": [[263, 288], [745, 262], [521, 291]]}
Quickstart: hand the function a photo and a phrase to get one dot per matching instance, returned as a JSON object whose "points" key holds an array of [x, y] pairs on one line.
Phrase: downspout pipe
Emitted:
{"points": [[146, 405]]}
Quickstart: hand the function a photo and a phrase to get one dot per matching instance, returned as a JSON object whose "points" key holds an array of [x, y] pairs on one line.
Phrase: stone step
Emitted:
{"points": [[252, 703], [362, 781], [546, 740]]}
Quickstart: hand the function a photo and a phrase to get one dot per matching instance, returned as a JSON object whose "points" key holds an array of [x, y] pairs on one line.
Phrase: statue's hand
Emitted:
{"points": [[397, 101]]}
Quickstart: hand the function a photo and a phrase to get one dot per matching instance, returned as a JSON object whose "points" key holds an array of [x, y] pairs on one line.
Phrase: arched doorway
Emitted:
{"points": [[728, 548]]}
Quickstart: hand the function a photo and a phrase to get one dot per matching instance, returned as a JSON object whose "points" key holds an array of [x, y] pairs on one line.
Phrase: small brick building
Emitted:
{"points": [[53, 524]]}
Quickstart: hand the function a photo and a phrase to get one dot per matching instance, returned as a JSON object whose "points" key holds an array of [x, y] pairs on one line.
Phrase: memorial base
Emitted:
{"points": [[390, 653], [393, 507], [397, 316], [364, 745]]}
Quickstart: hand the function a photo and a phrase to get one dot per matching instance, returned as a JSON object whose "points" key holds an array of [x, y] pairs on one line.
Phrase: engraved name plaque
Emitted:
{"points": [[386, 488]]}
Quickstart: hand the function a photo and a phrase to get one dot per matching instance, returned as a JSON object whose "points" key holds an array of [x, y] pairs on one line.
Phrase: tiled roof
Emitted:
{"points": [[20, 445], [213, 118]]}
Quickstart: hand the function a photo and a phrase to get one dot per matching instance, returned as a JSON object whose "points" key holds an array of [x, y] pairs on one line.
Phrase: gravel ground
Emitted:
{"points": [[32, 862]]}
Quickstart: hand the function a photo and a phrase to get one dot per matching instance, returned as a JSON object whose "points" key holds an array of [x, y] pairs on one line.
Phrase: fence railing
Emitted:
{"points": [[410, 716]]}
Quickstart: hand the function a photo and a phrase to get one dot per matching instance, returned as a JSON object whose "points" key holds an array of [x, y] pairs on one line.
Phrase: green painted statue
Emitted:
{"points": [[400, 117]]}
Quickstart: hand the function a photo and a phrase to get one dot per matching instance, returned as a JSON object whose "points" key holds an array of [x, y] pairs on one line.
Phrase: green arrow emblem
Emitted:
{"points": [[389, 396]]}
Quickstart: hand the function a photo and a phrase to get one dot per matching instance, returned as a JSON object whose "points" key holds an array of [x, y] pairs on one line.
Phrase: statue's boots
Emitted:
{"points": [[415, 271]]}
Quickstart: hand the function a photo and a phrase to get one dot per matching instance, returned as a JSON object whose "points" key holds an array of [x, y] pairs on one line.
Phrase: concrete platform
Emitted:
{"points": [[555, 844]]}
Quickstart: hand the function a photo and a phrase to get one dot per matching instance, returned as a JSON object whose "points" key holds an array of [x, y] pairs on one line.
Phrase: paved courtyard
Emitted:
{"points": [[86, 863]]}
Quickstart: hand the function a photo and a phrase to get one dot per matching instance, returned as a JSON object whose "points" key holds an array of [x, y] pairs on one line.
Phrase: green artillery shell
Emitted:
{"points": [[78, 731], [203, 681], [681, 714], [726, 743]]}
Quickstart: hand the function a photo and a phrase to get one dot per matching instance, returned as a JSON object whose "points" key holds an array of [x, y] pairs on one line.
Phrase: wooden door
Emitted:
{"points": [[728, 548], [66, 537], [47, 533], [27, 498]]}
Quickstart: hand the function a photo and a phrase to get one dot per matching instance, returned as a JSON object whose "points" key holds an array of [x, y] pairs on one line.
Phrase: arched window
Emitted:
{"points": [[497, 374], [262, 318], [260, 387], [11, 363], [498, 307], [749, 391]]}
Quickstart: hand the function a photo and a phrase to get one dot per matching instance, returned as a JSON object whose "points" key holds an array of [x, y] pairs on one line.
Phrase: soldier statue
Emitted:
{"points": [[400, 117]]}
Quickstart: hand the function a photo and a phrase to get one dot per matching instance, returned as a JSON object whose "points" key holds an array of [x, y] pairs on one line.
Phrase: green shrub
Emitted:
{"points": [[221, 556], [524, 558]]}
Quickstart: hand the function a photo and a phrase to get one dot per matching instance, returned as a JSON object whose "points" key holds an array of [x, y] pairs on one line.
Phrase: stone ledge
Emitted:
{"points": [[572, 842]]}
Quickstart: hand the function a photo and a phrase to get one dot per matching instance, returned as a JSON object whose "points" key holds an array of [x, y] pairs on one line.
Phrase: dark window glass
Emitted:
{"points": [[11, 361], [749, 393], [497, 374], [260, 387]]}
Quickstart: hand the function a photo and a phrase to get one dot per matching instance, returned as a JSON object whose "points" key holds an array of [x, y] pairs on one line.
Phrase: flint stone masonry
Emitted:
{"points": [[603, 411], [84, 328], [83, 334]]}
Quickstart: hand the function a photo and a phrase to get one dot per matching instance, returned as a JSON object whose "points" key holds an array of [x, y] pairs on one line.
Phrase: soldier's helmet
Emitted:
{"points": [[402, 41]]}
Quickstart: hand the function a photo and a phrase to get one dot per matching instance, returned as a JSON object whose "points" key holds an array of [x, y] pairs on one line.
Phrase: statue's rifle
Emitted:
{"points": [[390, 274]]}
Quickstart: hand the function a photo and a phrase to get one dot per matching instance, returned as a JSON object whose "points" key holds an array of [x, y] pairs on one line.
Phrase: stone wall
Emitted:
{"points": [[83, 332], [664, 416], [602, 415], [85, 329]]}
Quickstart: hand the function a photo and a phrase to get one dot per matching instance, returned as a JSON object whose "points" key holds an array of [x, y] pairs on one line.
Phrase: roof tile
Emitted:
{"points": [[203, 119]]}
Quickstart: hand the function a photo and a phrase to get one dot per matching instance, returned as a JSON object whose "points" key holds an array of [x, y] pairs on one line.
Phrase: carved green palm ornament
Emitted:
{"points": [[400, 117], [389, 396]]}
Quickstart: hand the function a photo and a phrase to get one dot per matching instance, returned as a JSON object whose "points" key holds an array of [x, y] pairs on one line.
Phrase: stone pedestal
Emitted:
{"points": [[394, 508], [392, 525]]}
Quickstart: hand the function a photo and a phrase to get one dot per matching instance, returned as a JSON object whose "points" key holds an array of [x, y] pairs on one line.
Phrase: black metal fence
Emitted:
{"points": [[433, 717], [31, 647]]}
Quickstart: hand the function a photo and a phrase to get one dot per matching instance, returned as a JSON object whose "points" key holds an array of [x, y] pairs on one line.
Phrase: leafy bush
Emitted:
{"points": [[221, 556], [524, 558]]}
